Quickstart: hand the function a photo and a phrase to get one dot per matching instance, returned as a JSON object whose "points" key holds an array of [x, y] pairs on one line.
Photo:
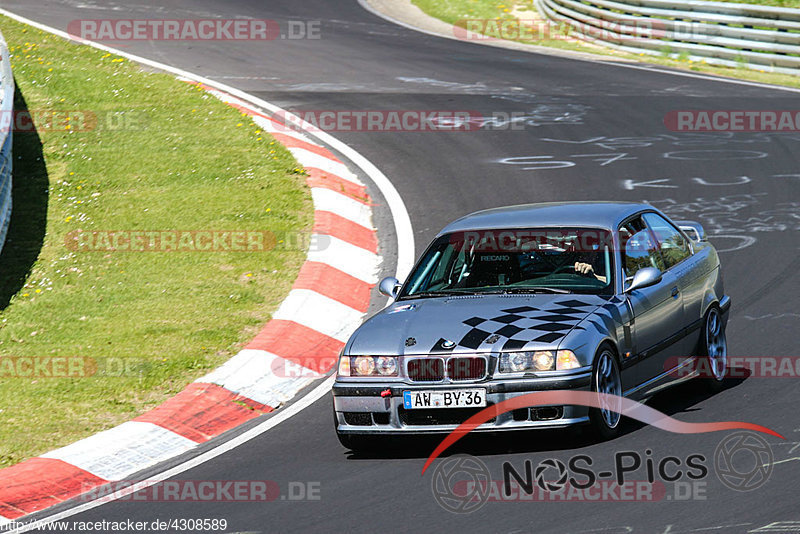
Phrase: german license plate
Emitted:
{"points": [[445, 398]]}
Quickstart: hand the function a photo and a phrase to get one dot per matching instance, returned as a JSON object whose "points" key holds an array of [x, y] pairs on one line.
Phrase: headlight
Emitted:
{"points": [[519, 362], [516, 362], [368, 366], [363, 365], [540, 360], [543, 360], [386, 365], [566, 359]]}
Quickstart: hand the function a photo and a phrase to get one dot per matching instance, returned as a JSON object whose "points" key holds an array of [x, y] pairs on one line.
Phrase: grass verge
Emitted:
{"points": [[457, 12], [119, 149]]}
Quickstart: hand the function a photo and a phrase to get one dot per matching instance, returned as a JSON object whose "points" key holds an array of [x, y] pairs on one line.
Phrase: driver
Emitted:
{"points": [[587, 269]]}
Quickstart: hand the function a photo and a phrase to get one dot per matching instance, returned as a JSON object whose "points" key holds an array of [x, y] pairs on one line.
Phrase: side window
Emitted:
{"points": [[638, 248], [674, 248]]}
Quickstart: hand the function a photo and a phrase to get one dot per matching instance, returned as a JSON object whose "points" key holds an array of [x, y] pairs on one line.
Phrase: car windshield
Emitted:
{"points": [[525, 260]]}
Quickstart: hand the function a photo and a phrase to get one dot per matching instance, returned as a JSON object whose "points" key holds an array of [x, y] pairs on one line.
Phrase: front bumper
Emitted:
{"points": [[362, 403]]}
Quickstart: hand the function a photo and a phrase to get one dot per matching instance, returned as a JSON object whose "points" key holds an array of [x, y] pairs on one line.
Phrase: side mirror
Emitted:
{"points": [[389, 286], [693, 229], [649, 276]]}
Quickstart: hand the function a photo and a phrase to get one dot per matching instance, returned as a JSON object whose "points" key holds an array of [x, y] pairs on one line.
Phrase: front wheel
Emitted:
{"points": [[714, 348], [606, 420]]}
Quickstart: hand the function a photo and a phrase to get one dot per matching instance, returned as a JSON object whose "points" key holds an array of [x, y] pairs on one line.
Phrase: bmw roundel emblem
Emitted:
{"points": [[447, 344]]}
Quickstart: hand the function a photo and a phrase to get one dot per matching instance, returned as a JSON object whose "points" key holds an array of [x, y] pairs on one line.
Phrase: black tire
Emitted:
{"points": [[713, 349], [606, 424]]}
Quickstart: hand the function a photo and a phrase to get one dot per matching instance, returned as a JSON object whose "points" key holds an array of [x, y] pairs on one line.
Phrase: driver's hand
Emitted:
{"points": [[583, 268]]}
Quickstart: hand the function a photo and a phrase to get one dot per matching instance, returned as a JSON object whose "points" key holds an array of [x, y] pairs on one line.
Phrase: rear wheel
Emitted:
{"points": [[606, 420], [714, 348]]}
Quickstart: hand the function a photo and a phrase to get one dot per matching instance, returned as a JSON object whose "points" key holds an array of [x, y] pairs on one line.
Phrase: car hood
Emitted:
{"points": [[472, 323]]}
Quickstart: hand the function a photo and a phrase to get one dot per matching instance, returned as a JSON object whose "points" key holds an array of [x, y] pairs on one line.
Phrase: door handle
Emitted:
{"points": [[675, 292]]}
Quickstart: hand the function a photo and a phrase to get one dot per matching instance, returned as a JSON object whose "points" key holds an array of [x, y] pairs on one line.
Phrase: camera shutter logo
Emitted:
{"points": [[465, 471], [549, 485], [743, 461]]}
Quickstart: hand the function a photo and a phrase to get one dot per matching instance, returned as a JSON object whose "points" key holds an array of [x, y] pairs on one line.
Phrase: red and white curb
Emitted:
{"points": [[297, 346]]}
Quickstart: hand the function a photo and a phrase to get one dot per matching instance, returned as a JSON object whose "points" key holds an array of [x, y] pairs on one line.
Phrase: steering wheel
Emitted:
{"points": [[566, 268]]}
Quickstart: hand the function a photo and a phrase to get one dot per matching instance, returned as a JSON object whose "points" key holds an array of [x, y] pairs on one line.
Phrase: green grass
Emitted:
{"points": [[457, 12], [188, 162]]}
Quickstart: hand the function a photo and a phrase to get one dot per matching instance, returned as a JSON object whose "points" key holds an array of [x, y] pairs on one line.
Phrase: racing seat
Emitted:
{"points": [[493, 269]]}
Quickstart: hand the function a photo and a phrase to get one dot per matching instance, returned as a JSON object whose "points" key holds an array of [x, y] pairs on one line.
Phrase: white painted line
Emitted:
{"points": [[348, 258], [310, 159], [262, 376], [342, 205], [782, 461], [779, 526], [319, 313], [303, 403], [402, 221], [123, 450]]}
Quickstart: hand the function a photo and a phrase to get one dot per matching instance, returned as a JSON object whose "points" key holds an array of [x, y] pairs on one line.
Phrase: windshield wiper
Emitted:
{"points": [[557, 290], [423, 294], [454, 292]]}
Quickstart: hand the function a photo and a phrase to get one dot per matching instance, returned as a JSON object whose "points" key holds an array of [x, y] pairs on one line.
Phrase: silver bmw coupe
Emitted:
{"points": [[609, 297]]}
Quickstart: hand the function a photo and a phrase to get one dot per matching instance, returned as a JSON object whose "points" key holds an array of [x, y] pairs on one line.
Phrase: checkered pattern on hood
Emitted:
{"points": [[482, 323]]}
